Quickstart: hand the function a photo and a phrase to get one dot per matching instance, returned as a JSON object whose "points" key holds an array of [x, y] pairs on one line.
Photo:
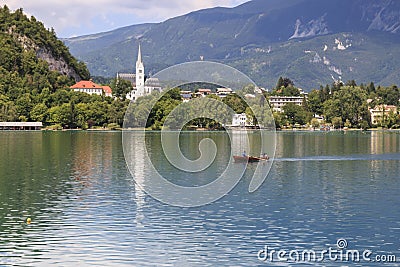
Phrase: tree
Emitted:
{"points": [[249, 89], [332, 108], [116, 111], [347, 123], [284, 82], [347, 103], [371, 88], [315, 123], [24, 105], [389, 95], [121, 87], [337, 122], [98, 111], [279, 84], [315, 103], [290, 91], [174, 94], [82, 113], [280, 120], [8, 111], [351, 83], [235, 102], [296, 114], [39, 112]]}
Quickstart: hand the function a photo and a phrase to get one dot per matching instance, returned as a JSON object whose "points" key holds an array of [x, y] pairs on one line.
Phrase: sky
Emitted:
{"points": [[80, 17]]}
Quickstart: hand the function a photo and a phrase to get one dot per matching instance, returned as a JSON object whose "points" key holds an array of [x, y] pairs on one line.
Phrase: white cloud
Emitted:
{"points": [[89, 16]]}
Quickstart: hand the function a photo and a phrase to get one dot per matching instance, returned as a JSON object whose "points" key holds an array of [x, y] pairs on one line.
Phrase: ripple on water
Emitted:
{"points": [[90, 213]]}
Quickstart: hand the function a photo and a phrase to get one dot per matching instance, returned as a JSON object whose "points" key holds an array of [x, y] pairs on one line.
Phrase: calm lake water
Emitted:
{"points": [[86, 211]]}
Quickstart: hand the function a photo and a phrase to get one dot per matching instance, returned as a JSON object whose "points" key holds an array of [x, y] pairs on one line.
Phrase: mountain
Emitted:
{"points": [[313, 42], [85, 44]]}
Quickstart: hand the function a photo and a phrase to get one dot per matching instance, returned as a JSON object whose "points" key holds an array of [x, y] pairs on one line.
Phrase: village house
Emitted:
{"points": [[91, 88], [203, 92], [277, 102], [186, 96], [241, 120], [223, 92], [381, 112]]}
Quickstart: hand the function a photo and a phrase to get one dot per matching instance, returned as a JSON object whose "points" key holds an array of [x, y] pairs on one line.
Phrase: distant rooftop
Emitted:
{"points": [[86, 85]]}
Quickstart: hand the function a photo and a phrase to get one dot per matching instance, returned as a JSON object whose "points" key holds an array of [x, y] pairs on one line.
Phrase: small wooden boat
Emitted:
{"points": [[239, 159]]}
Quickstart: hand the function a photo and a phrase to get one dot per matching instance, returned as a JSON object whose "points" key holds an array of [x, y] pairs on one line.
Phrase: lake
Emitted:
{"points": [[323, 188]]}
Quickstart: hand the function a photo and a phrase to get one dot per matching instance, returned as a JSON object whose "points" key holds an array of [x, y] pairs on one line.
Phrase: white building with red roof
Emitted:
{"points": [[107, 91], [91, 88]]}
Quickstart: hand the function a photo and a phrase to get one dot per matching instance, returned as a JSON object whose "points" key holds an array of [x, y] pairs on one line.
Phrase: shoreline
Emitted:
{"points": [[202, 131]]}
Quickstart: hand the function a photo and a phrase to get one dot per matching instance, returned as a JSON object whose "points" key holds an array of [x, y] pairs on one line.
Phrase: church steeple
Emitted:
{"points": [[139, 58], [140, 74]]}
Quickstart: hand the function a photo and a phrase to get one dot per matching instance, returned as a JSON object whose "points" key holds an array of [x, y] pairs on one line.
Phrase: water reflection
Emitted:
{"points": [[137, 151], [87, 211]]}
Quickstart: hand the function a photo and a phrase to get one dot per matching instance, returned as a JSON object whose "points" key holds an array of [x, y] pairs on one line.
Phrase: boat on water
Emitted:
{"points": [[239, 159]]}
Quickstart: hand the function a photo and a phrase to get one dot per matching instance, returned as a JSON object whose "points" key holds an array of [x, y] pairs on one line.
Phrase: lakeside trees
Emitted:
{"points": [[341, 105]]}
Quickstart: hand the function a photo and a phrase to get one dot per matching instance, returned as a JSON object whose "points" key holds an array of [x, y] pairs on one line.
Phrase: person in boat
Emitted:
{"points": [[264, 156], [244, 153]]}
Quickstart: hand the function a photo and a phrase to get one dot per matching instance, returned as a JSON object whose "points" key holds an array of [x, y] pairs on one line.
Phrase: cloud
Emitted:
{"points": [[89, 16]]}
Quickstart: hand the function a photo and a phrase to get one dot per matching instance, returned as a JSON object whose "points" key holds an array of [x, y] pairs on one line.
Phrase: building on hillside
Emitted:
{"points": [[277, 102], [381, 112], [223, 92], [91, 88], [186, 96], [141, 85], [203, 92]]}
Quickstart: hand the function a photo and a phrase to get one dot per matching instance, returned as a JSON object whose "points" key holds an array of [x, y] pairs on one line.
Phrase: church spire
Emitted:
{"points": [[140, 74], [139, 58]]}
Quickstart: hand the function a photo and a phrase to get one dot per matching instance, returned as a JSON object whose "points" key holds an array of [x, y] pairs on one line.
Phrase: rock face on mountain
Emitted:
{"points": [[57, 64], [312, 41], [25, 41], [43, 52]]}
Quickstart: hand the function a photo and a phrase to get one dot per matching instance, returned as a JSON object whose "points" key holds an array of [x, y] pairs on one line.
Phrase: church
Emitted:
{"points": [[141, 85]]}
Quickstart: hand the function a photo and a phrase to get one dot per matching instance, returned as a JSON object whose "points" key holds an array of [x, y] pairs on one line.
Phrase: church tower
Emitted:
{"points": [[139, 75]]}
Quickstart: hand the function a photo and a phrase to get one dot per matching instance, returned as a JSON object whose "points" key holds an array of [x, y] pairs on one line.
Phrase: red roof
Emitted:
{"points": [[85, 85], [107, 89]]}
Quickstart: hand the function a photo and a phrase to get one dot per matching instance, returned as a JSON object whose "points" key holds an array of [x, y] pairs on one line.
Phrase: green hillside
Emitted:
{"points": [[36, 70]]}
